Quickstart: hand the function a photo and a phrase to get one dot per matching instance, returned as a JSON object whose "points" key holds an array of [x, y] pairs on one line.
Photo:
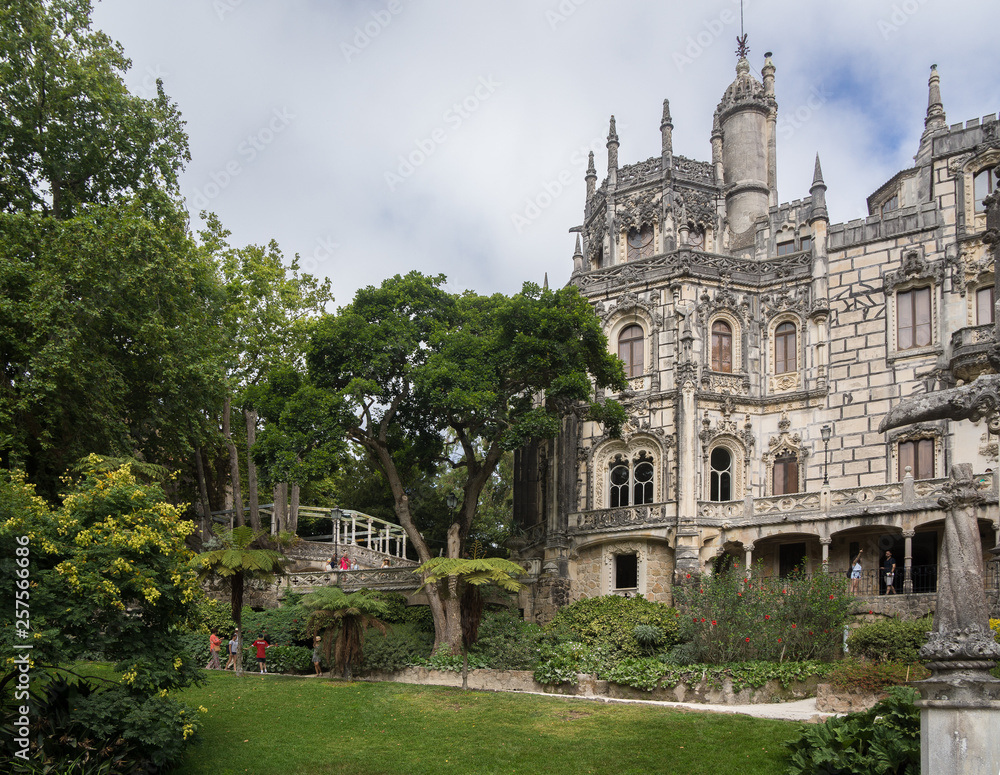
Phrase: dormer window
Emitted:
{"points": [[983, 185], [890, 204]]}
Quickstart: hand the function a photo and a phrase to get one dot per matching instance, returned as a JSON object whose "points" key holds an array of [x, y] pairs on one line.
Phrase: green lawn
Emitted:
{"points": [[278, 725]]}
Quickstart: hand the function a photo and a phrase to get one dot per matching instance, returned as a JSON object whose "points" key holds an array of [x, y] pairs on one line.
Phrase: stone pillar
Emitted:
{"points": [[748, 556], [907, 562], [960, 705], [825, 546]]}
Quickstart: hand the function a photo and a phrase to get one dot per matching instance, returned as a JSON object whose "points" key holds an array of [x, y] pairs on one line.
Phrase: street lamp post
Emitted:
{"points": [[335, 515], [825, 432]]}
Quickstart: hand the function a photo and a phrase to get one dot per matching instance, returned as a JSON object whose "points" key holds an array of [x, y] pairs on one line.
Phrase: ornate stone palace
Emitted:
{"points": [[763, 345]]}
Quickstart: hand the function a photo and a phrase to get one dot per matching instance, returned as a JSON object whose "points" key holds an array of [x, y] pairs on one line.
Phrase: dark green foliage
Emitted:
{"points": [[400, 613], [611, 621], [731, 617], [284, 626], [874, 676], [289, 659], [882, 741], [507, 642], [401, 645], [681, 654], [890, 640], [100, 726], [648, 636]]}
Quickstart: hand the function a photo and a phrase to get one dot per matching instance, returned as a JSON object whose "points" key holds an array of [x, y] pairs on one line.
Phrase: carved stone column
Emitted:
{"points": [[825, 546], [748, 549], [908, 561], [960, 709]]}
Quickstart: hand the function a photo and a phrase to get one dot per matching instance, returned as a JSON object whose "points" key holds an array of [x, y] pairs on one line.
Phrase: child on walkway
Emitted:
{"points": [[234, 647], [261, 645]]}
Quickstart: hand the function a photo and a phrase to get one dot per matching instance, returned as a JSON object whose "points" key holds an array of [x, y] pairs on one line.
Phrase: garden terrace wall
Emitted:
{"points": [[589, 686]]}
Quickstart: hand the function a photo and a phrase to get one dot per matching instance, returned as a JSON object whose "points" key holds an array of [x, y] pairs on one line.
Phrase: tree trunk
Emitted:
{"points": [[251, 419], [236, 600], [293, 511], [279, 520], [206, 509], [234, 465]]}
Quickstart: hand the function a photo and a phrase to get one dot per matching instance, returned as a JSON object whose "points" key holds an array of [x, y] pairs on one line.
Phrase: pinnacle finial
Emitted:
{"points": [[545, 282], [817, 173], [591, 170], [612, 134], [935, 108], [666, 114], [579, 247]]}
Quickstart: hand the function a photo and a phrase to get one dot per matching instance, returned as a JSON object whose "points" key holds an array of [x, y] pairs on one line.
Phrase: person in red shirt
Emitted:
{"points": [[261, 644]]}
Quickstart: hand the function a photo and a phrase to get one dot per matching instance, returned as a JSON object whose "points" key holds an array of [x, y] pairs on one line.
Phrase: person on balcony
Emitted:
{"points": [[889, 567], [856, 569]]}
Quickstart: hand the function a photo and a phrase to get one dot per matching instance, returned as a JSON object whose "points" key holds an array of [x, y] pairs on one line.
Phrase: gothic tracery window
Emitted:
{"points": [[640, 243], [982, 186], [630, 482], [721, 485]]}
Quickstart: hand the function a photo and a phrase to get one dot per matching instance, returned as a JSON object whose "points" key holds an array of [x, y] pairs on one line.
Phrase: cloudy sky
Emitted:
{"points": [[373, 138]]}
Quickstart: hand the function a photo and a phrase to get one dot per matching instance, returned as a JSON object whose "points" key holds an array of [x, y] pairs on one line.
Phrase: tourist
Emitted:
{"points": [[354, 564], [345, 563], [261, 645], [333, 562], [214, 642], [386, 563], [234, 647], [889, 566], [856, 573], [316, 643]]}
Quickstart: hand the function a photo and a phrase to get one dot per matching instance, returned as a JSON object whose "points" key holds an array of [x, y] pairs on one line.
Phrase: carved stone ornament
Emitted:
{"points": [[980, 400], [700, 171], [972, 647], [698, 205], [638, 210], [785, 300], [594, 234], [991, 134], [914, 268]]}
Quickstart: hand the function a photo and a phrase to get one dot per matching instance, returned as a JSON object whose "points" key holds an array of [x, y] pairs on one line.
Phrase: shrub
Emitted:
{"points": [[638, 672], [289, 659], [611, 620], [874, 676], [401, 645], [648, 636], [560, 664], [732, 616], [419, 616], [284, 626], [995, 626], [682, 654], [882, 741], [210, 613], [507, 642], [890, 640]]}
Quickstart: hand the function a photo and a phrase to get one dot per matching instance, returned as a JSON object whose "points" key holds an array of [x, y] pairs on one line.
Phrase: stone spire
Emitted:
{"points": [[935, 108], [612, 155], [577, 258], [818, 192], [666, 137], [591, 179]]}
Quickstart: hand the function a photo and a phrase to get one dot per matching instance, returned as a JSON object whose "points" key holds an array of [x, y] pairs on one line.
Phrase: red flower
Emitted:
{"points": [[739, 594], [703, 619], [793, 626], [701, 591], [831, 597], [870, 612], [825, 630], [748, 640], [695, 619], [713, 622], [810, 632], [779, 640], [689, 575], [767, 616]]}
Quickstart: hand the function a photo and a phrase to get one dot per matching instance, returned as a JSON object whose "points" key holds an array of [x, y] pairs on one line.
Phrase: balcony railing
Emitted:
{"points": [[619, 518]]}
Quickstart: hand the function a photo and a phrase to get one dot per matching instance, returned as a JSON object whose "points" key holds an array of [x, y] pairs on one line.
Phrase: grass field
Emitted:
{"points": [[277, 725]]}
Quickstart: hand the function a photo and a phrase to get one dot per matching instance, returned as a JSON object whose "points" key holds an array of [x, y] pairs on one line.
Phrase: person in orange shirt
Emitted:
{"points": [[214, 642]]}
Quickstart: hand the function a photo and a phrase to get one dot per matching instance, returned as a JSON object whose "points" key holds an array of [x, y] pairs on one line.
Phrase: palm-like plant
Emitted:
{"points": [[236, 561], [342, 619], [466, 576]]}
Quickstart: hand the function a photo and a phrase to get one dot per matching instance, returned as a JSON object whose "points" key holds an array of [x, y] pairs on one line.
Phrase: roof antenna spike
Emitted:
{"points": [[742, 49]]}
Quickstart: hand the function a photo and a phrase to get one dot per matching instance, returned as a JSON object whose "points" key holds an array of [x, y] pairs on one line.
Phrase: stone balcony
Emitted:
{"points": [[969, 349]]}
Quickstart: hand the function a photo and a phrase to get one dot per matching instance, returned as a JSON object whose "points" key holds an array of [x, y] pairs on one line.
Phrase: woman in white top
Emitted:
{"points": [[856, 573]]}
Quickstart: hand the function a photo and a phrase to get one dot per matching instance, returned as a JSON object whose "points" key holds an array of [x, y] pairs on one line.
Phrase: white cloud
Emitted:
{"points": [[369, 82]]}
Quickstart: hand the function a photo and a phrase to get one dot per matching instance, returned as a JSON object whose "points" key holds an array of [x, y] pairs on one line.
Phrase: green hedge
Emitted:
{"points": [[890, 640], [611, 621], [401, 645]]}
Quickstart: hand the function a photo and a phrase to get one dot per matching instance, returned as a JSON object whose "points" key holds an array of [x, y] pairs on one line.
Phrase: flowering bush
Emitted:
{"points": [[734, 616]]}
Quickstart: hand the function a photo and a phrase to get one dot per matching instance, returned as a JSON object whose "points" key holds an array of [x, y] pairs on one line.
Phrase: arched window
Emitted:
{"points": [[619, 490], [722, 346], [640, 243], [982, 186], [784, 348], [913, 316], [785, 476], [630, 482], [642, 486], [721, 488], [630, 345]]}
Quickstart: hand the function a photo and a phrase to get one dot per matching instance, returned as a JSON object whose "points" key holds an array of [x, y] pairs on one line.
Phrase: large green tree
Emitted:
{"points": [[427, 377], [109, 341]]}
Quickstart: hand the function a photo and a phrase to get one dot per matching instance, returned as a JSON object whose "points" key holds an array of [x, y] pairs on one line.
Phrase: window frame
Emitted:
{"points": [[990, 305], [918, 451], [788, 351], [989, 174], [642, 246], [636, 344], [787, 463], [721, 480], [914, 327], [719, 363]]}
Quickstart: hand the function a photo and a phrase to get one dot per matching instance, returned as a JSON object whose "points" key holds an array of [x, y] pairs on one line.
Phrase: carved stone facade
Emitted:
{"points": [[774, 344]]}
